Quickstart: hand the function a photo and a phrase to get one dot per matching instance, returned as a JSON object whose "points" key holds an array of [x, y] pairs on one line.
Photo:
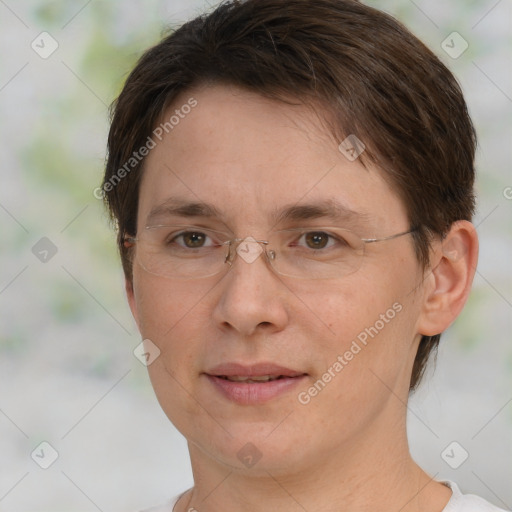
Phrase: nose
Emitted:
{"points": [[252, 297]]}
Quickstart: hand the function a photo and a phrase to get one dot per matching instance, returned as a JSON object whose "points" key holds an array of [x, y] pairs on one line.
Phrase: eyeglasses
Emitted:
{"points": [[192, 252]]}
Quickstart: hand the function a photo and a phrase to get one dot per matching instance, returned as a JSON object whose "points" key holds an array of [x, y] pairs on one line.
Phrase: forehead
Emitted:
{"points": [[250, 158]]}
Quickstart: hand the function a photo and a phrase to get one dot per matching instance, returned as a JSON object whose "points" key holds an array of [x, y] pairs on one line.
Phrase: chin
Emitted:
{"points": [[255, 450]]}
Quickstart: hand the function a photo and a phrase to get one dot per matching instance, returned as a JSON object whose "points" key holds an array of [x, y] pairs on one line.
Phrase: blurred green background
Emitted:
{"points": [[68, 375]]}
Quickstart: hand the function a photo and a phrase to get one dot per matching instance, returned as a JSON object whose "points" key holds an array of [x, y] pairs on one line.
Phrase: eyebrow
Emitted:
{"points": [[174, 206], [330, 209]]}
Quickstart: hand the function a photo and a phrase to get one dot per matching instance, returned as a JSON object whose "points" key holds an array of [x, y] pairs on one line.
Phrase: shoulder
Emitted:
{"points": [[467, 502]]}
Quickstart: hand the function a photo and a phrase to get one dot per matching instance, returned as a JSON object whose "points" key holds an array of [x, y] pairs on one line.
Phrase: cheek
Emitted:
{"points": [[348, 307], [365, 357], [164, 306], [173, 318], [371, 322]]}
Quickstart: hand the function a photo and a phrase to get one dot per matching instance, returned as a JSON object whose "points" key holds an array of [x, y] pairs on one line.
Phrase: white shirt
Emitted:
{"points": [[458, 503], [467, 502]]}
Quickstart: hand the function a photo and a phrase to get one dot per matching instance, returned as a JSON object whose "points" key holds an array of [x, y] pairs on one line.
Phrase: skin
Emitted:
{"points": [[347, 448]]}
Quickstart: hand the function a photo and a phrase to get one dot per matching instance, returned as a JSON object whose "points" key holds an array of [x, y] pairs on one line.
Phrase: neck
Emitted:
{"points": [[359, 476]]}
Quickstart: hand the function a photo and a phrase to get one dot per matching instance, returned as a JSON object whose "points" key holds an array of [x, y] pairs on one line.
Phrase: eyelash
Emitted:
{"points": [[183, 233], [302, 234]]}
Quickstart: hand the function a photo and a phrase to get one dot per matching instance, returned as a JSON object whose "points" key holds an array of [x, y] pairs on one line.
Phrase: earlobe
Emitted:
{"points": [[130, 294], [454, 265]]}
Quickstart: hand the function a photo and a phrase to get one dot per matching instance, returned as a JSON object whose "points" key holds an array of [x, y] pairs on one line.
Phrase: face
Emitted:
{"points": [[345, 346]]}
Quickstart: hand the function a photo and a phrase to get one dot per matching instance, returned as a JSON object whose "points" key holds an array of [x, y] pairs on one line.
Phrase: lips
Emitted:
{"points": [[253, 384], [255, 370], [259, 378]]}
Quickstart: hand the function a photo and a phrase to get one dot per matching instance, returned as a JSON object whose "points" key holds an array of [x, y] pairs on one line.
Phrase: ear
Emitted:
{"points": [[130, 294], [447, 288]]}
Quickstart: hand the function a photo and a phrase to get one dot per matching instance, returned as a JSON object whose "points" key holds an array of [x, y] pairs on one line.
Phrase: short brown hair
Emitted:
{"points": [[379, 82]]}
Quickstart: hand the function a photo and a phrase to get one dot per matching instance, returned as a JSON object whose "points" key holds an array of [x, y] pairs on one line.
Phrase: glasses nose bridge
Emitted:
{"points": [[249, 249]]}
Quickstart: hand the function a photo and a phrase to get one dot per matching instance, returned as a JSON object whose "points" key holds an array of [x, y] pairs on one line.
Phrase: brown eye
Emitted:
{"points": [[193, 239], [316, 239]]}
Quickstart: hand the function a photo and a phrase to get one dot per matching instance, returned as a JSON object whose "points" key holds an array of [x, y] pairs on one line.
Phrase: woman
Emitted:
{"points": [[293, 187]]}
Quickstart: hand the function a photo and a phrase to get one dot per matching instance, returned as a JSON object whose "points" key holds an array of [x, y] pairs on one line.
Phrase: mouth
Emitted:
{"points": [[254, 379], [256, 371], [253, 384]]}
